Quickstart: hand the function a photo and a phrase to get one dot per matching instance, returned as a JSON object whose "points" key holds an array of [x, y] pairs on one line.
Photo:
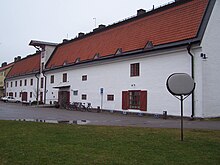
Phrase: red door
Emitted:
{"points": [[134, 100]]}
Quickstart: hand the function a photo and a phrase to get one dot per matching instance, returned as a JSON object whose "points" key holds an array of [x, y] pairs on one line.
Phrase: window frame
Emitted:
{"points": [[110, 97], [84, 77], [134, 69], [42, 82], [52, 79], [31, 82], [64, 77], [84, 97], [25, 82]]}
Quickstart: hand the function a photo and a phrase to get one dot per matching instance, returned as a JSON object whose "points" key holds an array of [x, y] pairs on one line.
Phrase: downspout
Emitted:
{"points": [[37, 88], [193, 76], [45, 87]]}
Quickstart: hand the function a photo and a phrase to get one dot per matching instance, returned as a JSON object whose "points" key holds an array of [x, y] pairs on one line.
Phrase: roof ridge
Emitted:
{"points": [[164, 25], [161, 8]]}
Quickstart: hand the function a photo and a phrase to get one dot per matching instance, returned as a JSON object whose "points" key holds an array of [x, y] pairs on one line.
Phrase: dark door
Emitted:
{"points": [[24, 96], [41, 97], [64, 98]]}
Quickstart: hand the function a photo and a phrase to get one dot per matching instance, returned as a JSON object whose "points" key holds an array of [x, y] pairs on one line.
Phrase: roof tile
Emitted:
{"points": [[30, 64]]}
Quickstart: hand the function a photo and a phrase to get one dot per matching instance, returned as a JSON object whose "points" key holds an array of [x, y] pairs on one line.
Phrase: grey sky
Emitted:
{"points": [[54, 20]]}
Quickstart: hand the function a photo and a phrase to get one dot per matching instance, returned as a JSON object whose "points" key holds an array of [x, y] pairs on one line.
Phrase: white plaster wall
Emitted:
{"points": [[48, 52], [198, 77], [28, 88], [211, 66], [114, 77]]}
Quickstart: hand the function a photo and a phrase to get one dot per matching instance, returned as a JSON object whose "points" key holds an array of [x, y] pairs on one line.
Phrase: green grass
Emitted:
{"points": [[40, 143]]}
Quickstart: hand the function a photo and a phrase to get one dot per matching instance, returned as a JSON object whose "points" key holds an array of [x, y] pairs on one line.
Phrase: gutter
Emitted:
{"points": [[37, 88], [193, 77], [45, 86]]}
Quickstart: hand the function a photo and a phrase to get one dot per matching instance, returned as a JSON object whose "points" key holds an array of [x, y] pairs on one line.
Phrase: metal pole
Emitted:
{"points": [[101, 100], [181, 99]]}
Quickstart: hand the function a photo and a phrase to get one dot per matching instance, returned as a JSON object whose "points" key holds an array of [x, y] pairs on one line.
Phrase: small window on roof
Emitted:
{"points": [[96, 56], [119, 51], [77, 60], [149, 45], [64, 63]]}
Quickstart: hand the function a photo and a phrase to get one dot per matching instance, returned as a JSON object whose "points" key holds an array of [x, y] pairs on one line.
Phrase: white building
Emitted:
{"points": [[125, 66], [25, 81]]}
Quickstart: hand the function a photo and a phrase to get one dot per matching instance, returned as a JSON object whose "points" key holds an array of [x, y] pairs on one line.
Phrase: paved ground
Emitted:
{"points": [[12, 111]]}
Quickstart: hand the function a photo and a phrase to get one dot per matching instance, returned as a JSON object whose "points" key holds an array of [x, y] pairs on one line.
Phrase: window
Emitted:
{"points": [[20, 82], [15, 94], [52, 79], [30, 94], [31, 82], [110, 97], [25, 82], [84, 96], [42, 54], [75, 93], [16, 83], [134, 100], [64, 77], [7, 84], [135, 69], [42, 66], [11, 84], [42, 82], [84, 78]]}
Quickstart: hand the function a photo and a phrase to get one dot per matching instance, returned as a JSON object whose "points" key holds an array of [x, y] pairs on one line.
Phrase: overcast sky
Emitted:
{"points": [[53, 20]]}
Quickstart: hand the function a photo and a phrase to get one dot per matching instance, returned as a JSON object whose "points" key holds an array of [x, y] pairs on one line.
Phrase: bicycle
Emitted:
{"points": [[84, 107], [78, 106]]}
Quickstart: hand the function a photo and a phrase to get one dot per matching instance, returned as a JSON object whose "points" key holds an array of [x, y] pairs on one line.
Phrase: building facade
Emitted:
{"points": [[4, 69], [125, 66]]}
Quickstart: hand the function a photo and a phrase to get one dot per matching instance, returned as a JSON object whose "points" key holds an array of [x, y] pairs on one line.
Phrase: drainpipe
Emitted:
{"points": [[45, 87], [192, 74], [37, 88]]}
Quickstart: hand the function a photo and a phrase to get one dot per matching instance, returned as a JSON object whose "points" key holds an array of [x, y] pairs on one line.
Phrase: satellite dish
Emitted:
{"points": [[180, 84]]}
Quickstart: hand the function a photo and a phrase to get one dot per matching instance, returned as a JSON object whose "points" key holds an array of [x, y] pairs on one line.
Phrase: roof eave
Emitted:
{"points": [[134, 52]]}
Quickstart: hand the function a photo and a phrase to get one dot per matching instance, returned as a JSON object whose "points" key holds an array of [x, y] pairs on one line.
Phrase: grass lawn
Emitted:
{"points": [[40, 143]]}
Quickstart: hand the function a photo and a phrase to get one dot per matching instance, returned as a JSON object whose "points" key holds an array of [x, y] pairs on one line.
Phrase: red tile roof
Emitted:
{"points": [[28, 65], [165, 25]]}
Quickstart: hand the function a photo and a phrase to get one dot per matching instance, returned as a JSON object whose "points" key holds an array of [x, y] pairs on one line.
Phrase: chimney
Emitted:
{"points": [[65, 40], [4, 64], [101, 26], [140, 11], [18, 58], [80, 34]]}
